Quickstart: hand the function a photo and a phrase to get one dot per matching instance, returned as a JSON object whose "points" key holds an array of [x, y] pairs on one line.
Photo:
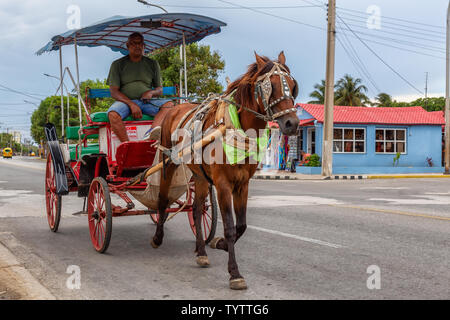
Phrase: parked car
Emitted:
{"points": [[7, 153]]}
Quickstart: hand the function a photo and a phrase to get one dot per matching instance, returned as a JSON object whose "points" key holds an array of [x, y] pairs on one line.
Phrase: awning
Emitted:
{"points": [[159, 30]]}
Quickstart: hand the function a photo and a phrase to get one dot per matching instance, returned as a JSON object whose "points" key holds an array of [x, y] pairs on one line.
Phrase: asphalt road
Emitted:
{"points": [[305, 240]]}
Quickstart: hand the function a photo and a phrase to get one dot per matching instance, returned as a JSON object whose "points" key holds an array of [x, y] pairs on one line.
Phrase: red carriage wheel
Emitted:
{"points": [[100, 214], [209, 216], [52, 200]]}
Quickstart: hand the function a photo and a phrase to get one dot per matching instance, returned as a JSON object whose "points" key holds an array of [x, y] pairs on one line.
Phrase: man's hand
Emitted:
{"points": [[135, 110], [147, 95]]}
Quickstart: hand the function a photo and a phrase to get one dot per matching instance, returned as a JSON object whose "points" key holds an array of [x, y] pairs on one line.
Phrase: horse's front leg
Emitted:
{"points": [[237, 282], [240, 198], [201, 192]]}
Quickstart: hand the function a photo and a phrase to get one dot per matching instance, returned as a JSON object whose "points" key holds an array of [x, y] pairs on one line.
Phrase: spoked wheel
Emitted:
{"points": [[209, 216], [52, 200], [100, 214]]}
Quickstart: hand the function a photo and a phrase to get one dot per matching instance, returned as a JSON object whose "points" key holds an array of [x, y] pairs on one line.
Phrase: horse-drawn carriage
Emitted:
{"points": [[97, 169], [97, 165]]}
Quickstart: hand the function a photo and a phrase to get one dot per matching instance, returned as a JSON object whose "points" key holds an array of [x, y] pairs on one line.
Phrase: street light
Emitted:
{"points": [[62, 101], [152, 5], [29, 102]]}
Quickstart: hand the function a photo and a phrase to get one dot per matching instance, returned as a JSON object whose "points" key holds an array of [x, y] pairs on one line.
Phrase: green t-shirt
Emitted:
{"points": [[134, 78]]}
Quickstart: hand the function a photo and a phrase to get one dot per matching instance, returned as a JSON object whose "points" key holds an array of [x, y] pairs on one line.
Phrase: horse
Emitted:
{"points": [[266, 92]]}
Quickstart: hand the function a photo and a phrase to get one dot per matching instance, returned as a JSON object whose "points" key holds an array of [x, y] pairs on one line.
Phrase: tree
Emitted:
{"points": [[430, 104], [98, 104], [49, 111], [383, 100], [350, 92], [318, 94], [203, 68]]}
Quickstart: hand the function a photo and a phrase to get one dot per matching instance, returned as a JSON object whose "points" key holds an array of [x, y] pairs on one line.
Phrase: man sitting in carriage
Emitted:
{"points": [[134, 81]]}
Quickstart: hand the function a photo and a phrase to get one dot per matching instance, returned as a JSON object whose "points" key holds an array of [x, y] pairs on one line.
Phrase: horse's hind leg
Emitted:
{"points": [[163, 201], [201, 192]]}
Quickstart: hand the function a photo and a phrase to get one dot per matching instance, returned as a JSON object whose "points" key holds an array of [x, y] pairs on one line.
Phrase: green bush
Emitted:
{"points": [[314, 161]]}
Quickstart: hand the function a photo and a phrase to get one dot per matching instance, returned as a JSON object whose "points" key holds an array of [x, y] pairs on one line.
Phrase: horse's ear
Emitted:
{"points": [[282, 58], [259, 61]]}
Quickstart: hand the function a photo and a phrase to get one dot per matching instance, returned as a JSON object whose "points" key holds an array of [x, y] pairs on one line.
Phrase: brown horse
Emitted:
{"points": [[265, 92]]}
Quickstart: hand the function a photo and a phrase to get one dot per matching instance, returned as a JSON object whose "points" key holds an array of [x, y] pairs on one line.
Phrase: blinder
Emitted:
{"points": [[295, 89], [263, 89]]}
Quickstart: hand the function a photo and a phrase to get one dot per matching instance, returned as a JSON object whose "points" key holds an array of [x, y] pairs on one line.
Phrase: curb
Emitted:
{"points": [[417, 176], [274, 177], [351, 177], [18, 278]]}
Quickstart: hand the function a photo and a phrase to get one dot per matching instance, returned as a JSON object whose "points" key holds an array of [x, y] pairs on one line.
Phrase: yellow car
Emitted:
{"points": [[32, 154], [7, 153]]}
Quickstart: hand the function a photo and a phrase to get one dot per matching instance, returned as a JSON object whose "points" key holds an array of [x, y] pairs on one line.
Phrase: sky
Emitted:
{"points": [[390, 45]]}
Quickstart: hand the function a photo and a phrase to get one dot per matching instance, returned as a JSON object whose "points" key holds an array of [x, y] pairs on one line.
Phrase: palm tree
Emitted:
{"points": [[318, 94], [383, 100], [350, 92]]}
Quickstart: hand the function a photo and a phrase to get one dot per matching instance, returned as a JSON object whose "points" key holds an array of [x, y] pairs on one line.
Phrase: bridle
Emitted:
{"points": [[263, 90]]}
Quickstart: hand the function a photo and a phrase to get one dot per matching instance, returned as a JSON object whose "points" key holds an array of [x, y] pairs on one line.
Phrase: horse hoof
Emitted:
{"points": [[213, 243], [203, 261], [238, 284], [154, 245]]}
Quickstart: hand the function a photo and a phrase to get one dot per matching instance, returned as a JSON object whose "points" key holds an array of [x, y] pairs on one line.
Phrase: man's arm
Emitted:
{"points": [[156, 83], [152, 93], [119, 96]]}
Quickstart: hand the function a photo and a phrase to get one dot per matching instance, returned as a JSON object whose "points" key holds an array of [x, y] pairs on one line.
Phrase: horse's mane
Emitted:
{"points": [[244, 84]]}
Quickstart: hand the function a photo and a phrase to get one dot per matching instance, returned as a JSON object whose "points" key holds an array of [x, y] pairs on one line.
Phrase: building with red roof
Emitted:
{"points": [[374, 139]]}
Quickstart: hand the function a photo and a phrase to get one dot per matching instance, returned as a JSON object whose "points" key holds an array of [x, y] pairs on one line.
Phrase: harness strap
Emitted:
{"points": [[206, 175]]}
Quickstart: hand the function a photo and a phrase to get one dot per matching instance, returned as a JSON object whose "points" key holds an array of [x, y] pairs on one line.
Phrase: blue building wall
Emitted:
{"points": [[422, 141]]}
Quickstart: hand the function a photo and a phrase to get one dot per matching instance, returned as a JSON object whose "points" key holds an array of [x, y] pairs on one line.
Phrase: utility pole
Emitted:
{"points": [[327, 146], [426, 91], [447, 97]]}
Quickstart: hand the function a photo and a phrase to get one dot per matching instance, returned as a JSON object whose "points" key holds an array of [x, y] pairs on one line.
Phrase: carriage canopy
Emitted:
{"points": [[159, 30]]}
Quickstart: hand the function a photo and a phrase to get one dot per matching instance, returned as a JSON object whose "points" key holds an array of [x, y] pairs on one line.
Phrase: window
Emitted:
{"points": [[349, 140], [390, 140]]}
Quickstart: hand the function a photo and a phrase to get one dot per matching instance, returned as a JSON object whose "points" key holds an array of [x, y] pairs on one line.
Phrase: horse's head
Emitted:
{"points": [[275, 92]]}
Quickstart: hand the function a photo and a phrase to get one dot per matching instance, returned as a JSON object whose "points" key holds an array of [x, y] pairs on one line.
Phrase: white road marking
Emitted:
{"points": [[30, 165], [426, 200], [25, 203], [288, 201], [293, 236], [385, 188]]}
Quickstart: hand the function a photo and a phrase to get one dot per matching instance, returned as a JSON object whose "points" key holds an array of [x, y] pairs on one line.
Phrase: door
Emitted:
{"points": [[311, 140]]}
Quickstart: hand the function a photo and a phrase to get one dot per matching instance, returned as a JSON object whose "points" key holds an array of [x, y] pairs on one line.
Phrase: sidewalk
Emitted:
{"points": [[16, 282], [285, 175]]}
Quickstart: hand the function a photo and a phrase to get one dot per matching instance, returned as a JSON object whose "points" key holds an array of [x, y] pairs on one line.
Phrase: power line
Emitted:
{"points": [[33, 94], [395, 47], [381, 59], [392, 18], [358, 59], [273, 15], [12, 103], [399, 41], [428, 33], [18, 92], [442, 41], [352, 59], [222, 7]]}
